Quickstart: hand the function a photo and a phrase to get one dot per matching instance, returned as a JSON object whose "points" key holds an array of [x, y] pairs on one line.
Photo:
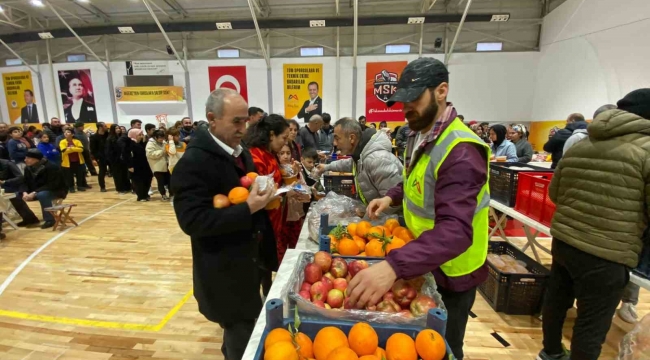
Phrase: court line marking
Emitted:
{"points": [[83, 322]]}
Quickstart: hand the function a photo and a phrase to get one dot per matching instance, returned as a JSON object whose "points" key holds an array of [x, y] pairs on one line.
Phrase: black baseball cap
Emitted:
{"points": [[418, 76]]}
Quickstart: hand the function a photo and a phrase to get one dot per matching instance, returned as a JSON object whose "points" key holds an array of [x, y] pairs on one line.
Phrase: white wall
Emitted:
{"points": [[593, 53], [486, 87]]}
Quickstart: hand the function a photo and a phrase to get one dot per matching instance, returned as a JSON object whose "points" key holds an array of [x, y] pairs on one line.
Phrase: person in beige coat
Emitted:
{"points": [[157, 158]]}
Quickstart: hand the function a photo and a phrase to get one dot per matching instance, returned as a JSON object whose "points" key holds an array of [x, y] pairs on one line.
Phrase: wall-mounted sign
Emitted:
{"points": [[149, 93], [231, 77], [147, 68], [381, 84]]}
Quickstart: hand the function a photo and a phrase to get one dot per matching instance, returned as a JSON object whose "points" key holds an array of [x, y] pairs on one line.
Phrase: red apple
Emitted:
{"points": [[324, 260], [406, 314], [335, 298], [356, 266], [349, 306], [388, 296], [305, 286], [404, 293], [245, 182], [388, 306], [329, 276], [220, 201], [305, 295], [319, 303], [318, 291], [313, 273], [340, 284], [339, 268], [329, 285], [421, 304]]}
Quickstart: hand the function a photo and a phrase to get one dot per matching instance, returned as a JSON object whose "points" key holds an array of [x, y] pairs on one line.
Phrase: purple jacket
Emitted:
{"points": [[460, 178]]}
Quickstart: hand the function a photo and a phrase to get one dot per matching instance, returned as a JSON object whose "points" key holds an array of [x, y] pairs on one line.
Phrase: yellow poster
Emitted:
{"points": [[149, 93], [303, 90], [539, 132], [21, 102]]}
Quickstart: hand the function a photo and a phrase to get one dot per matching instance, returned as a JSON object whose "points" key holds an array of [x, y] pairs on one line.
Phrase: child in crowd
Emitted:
{"points": [[295, 215], [309, 158], [175, 148]]}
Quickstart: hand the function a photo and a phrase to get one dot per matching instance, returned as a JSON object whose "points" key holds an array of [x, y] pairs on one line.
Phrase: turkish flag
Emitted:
{"points": [[231, 77]]}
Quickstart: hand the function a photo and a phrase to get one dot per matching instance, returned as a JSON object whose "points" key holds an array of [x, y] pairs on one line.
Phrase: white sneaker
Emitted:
{"points": [[627, 313], [150, 191]]}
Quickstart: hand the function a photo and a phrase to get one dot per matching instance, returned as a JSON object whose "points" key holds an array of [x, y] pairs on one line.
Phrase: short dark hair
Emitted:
{"points": [[293, 122], [259, 135], [30, 92], [173, 132], [254, 110], [310, 153], [47, 125], [462, 118], [14, 128], [327, 118], [186, 117], [362, 117], [78, 124], [149, 127], [135, 121], [158, 134], [576, 117], [313, 83]]}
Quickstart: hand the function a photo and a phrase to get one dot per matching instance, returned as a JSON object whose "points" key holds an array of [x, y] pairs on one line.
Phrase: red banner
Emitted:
{"points": [[381, 84], [231, 77]]}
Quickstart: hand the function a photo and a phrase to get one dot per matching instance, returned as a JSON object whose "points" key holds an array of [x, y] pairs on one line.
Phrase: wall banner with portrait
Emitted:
{"points": [[21, 102], [303, 90], [77, 96]]}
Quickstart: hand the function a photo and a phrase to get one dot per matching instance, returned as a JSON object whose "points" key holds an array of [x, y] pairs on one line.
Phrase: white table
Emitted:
{"points": [[281, 280], [303, 240]]}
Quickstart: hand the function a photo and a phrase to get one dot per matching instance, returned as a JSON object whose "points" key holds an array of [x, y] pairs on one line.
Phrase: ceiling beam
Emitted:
{"points": [[162, 30], [460, 26], [176, 7], [71, 14], [259, 35], [94, 10], [161, 9]]}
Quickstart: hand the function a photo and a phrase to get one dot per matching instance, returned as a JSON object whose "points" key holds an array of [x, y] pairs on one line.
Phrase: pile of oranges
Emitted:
{"points": [[362, 343], [363, 239]]}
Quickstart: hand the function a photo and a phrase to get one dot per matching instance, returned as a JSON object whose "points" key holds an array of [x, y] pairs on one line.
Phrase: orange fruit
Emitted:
{"points": [[361, 243], [362, 229], [348, 247], [252, 176], [380, 353], [391, 224], [376, 230], [304, 346], [283, 350], [362, 254], [277, 335], [274, 204], [369, 357], [328, 339], [333, 238], [352, 228], [374, 248], [395, 243], [334, 246], [430, 345], [400, 347], [363, 339], [404, 234], [342, 353], [238, 195]]}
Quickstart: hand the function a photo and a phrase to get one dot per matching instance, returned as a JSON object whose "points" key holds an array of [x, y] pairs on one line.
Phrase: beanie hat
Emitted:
{"points": [[637, 102], [34, 153], [78, 124]]}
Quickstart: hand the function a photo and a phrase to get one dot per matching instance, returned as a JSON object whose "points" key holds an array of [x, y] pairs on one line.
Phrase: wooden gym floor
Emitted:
{"points": [[119, 287]]}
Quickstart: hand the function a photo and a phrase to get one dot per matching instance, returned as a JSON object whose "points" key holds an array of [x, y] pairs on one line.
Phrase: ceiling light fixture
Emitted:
{"points": [[316, 23], [416, 20], [224, 26], [126, 29], [83, 1], [38, 3], [500, 17], [1, 9], [46, 35]]}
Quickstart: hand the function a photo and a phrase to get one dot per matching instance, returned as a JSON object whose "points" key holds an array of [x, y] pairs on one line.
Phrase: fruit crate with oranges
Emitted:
{"points": [[364, 238], [318, 290], [504, 179], [514, 293], [294, 339]]}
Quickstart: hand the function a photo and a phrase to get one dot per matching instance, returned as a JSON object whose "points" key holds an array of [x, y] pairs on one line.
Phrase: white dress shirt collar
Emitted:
{"points": [[234, 152]]}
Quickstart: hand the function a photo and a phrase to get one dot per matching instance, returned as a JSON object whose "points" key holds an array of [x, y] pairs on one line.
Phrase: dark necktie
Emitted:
{"points": [[29, 112]]}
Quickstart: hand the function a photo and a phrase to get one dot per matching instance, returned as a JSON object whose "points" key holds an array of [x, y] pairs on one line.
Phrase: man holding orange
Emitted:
{"points": [[446, 199]]}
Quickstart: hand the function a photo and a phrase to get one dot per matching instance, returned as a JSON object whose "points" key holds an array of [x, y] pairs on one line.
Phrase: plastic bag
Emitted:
{"points": [[308, 310], [636, 344]]}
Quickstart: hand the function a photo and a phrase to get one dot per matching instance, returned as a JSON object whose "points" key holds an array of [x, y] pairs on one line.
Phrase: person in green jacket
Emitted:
{"points": [[601, 189]]}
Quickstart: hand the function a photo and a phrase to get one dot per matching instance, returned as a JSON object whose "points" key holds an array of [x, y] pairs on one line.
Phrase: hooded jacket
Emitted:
{"points": [[577, 135], [555, 145], [229, 244], [156, 156], [602, 189], [378, 170]]}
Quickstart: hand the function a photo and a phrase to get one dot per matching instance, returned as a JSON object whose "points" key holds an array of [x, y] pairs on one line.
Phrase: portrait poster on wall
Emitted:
{"points": [[77, 96], [21, 102], [303, 90], [231, 77], [381, 84]]}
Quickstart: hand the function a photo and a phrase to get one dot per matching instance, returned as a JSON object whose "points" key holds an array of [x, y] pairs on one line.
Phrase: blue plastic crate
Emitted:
{"points": [[436, 320]]}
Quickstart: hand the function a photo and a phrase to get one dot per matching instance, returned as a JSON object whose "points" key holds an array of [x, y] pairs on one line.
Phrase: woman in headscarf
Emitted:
{"points": [[141, 174], [500, 146], [478, 130], [518, 136]]}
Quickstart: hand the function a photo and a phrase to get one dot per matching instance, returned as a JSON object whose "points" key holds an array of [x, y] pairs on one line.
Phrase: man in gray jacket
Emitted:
{"points": [[375, 168]]}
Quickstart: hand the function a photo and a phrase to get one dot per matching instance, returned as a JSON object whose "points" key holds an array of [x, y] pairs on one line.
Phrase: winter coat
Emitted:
{"points": [[507, 149], [156, 156], [174, 153], [98, 146], [66, 151], [50, 151], [112, 150], [401, 139], [17, 150], [326, 139], [555, 144], [308, 139], [45, 176], [378, 170], [574, 138], [140, 163], [13, 178], [227, 244], [125, 143], [601, 189], [524, 151]]}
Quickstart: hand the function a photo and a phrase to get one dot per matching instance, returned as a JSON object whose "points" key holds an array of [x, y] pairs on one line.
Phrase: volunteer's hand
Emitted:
{"points": [[377, 206], [320, 168], [370, 285], [258, 200]]}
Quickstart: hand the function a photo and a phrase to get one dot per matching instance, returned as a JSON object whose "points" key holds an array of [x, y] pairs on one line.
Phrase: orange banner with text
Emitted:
{"points": [[149, 93]]}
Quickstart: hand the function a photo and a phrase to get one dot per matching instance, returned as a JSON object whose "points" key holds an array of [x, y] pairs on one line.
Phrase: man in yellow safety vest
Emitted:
{"points": [[446, 199]]}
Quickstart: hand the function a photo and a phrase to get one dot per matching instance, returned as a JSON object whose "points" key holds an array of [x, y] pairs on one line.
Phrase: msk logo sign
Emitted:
{"points": [[293, 97], [385, 85]]}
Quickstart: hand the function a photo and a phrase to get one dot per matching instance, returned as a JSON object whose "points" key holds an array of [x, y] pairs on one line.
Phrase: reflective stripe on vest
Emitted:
{"points": [[419, 201], [356, 183]]}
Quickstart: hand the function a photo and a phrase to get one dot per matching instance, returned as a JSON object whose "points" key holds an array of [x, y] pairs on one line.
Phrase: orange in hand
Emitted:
{"points": [[430, 345], [238, 195], [252, 175]]}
